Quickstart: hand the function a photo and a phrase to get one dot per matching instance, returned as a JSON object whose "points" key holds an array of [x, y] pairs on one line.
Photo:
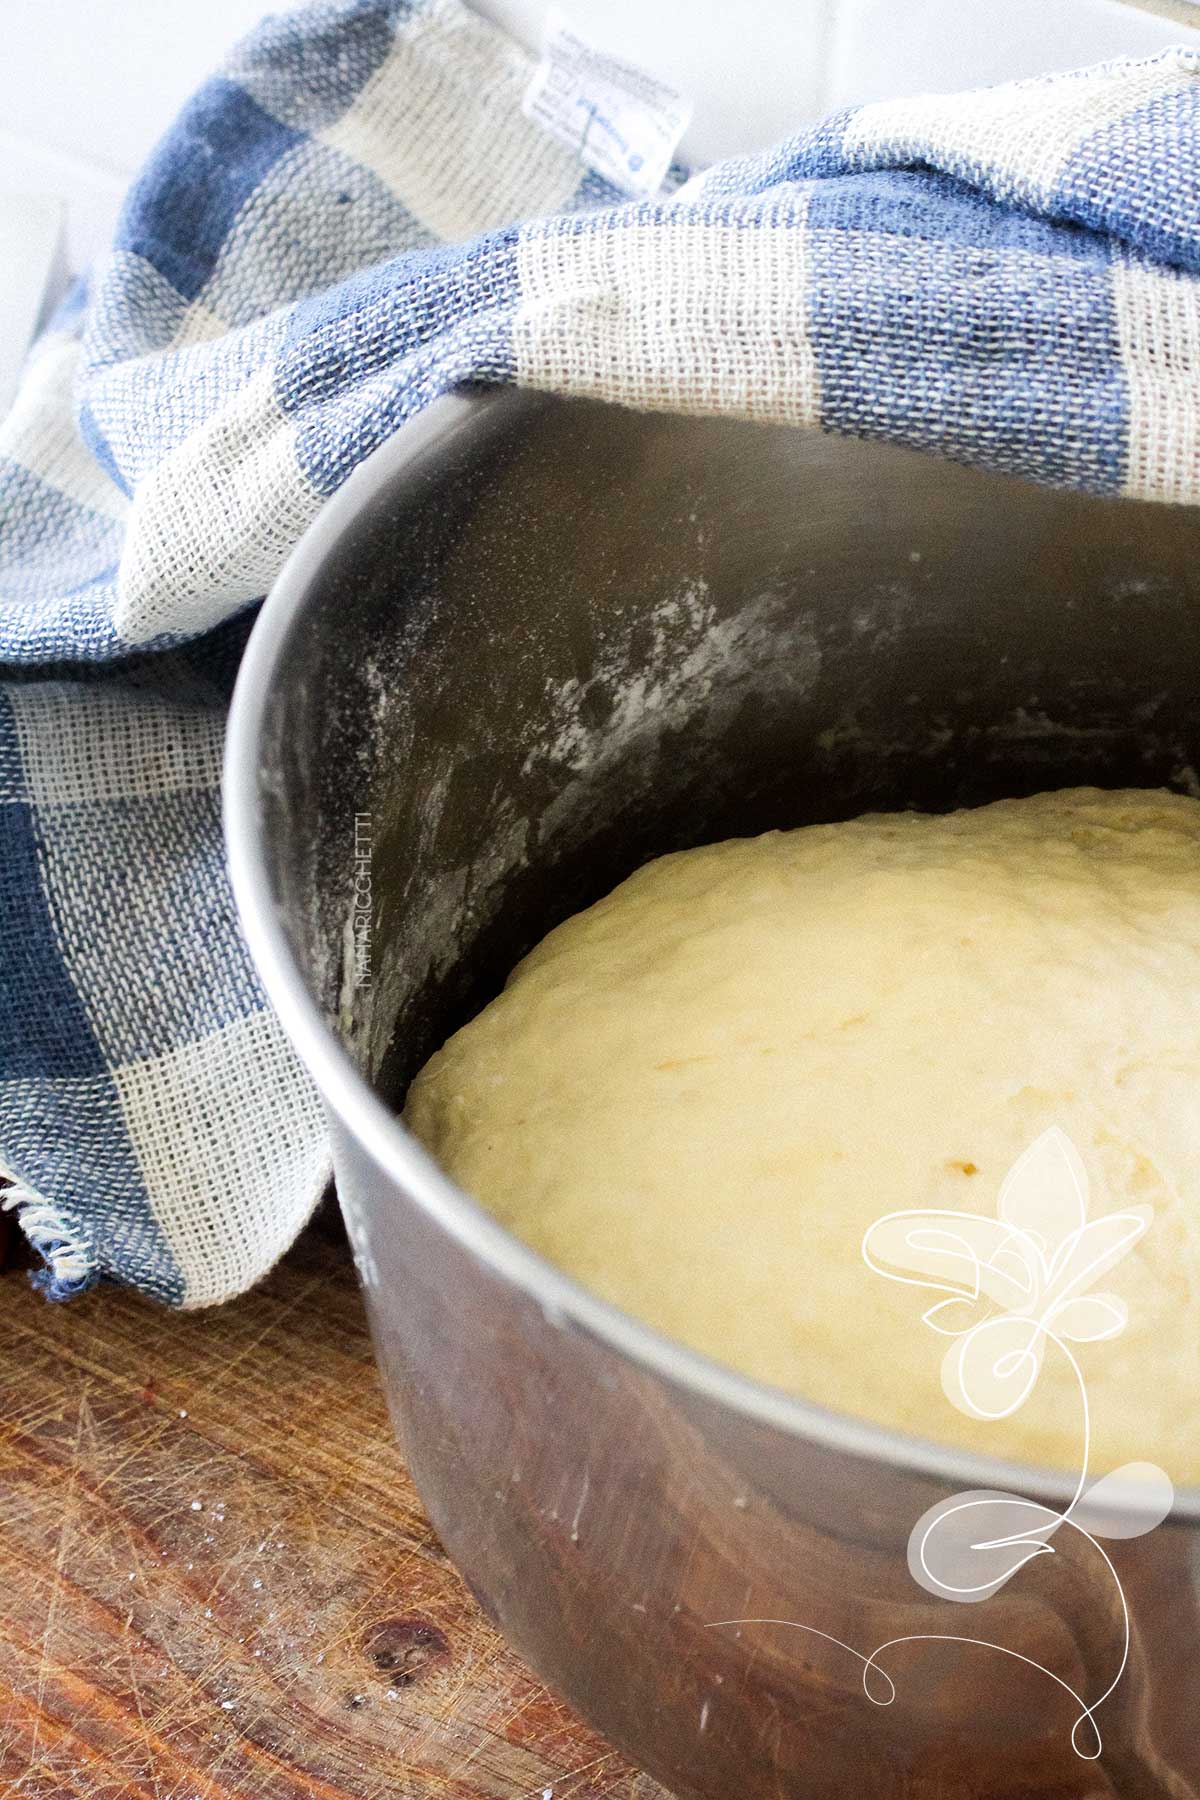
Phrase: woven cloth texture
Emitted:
{"points": [[328, 238]]}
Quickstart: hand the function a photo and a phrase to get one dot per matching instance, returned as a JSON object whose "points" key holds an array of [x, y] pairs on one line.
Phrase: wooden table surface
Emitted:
{"points": [[216, 1579]]}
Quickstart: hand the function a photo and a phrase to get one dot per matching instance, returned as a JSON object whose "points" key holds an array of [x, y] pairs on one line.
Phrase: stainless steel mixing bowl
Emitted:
{"points": [[528, 645]]}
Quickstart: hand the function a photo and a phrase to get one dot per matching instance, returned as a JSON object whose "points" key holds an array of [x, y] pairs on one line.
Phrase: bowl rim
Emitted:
{"points": [[378, 1131]]}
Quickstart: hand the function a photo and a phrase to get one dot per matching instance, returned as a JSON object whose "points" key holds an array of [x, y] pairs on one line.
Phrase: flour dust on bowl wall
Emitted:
{"points": [[808, 1397]]}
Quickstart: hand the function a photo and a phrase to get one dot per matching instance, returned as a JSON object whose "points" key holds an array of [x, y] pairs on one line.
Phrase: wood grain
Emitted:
{"points": [[216, 1579]]}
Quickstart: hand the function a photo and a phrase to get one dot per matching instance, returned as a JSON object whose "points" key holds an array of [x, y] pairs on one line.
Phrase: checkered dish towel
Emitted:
{"points": [[325, 242]]}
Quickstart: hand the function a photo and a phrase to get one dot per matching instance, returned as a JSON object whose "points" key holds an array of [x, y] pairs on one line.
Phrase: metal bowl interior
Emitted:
{"points": [[532, 643]]}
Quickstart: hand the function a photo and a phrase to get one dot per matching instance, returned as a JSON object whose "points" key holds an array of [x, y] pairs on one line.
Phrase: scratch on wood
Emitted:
{"points": [[130, 1621]]}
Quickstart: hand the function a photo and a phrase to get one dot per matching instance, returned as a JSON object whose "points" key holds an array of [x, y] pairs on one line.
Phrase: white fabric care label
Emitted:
{"points": [[622, 123]]}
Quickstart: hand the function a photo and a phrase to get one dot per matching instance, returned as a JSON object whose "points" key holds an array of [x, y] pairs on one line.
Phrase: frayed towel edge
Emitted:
{"points": [[69, 1265]]}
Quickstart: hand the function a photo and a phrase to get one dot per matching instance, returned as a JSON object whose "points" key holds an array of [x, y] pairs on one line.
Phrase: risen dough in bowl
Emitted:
{"points": [[697, 1096]]}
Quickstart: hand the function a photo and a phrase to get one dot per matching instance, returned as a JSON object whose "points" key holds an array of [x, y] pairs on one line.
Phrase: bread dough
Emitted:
{"points": [[698, 1094]]}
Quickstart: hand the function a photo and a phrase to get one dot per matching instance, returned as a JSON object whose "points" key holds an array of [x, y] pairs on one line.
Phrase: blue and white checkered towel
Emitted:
{"points": [[324, 242]]}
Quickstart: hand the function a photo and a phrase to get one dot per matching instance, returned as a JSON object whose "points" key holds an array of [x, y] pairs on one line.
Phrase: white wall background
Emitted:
{"points": [[87, 86]]}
